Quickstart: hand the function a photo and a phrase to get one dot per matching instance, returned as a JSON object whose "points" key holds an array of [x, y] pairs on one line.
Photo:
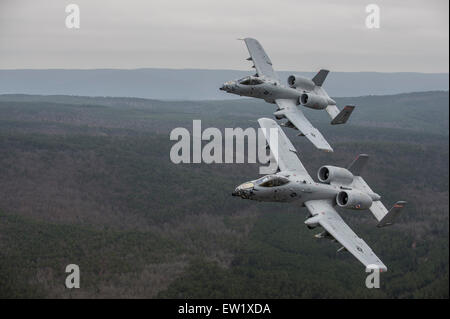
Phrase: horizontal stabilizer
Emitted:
{"points": [[390, 217], [379, 211], [344, 115]]}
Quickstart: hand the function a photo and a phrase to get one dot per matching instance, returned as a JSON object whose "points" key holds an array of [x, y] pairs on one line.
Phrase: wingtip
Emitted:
{"points": [[380, 268], [400, 204], [263, 120]]}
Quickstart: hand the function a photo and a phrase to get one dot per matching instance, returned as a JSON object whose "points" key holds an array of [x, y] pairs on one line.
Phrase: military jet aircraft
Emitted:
{"points": [[301, 92], [338, 186]]}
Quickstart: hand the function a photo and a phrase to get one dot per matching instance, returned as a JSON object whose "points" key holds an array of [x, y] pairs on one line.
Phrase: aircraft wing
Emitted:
{"points": [[335, 226], [284, 152], [260, 59], [289, 109]]}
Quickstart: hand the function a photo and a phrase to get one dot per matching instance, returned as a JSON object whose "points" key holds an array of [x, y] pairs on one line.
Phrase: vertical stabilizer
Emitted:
{"points": [[358, 164], [339, 117], [390, 217], [320, 77]]}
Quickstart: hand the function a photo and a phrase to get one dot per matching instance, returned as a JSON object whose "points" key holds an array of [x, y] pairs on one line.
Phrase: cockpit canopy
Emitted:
{"points": [[250, 80], [272, 181]]}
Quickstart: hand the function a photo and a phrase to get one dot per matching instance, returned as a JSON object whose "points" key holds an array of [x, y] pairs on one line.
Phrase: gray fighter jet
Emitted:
{"points": [[301, 92], [338, 186]]}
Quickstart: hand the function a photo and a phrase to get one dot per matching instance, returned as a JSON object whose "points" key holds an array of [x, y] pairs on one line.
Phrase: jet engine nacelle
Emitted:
{"points": [[297, 81], [333, 174], [353, 199], [314, 101]]}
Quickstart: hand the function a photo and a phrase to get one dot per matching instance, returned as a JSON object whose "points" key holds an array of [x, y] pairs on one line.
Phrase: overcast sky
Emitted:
{"points": [[297, 35]]}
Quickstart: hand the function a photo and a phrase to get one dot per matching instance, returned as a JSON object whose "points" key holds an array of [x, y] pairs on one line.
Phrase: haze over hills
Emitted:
{"points": [[426, 112], [196, 84]]}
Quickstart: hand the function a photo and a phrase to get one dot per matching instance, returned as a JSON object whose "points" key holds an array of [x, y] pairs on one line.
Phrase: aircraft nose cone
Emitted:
{"points": [[236, 192], [244, 190], [227, 86]]}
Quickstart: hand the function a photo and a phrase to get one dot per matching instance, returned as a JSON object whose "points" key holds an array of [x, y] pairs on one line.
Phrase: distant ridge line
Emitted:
{"points": [[199, 84]]}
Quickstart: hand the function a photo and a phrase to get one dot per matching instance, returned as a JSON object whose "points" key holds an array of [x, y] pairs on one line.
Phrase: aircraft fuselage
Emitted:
{"points": [[268, 91], [294, 190]]}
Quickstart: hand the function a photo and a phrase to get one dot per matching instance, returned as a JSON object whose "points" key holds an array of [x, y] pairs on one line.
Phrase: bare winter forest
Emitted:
{"points": [[89, 181]]}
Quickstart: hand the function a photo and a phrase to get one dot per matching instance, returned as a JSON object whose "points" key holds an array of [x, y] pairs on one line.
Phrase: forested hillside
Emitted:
{"points": [[89, 181]]}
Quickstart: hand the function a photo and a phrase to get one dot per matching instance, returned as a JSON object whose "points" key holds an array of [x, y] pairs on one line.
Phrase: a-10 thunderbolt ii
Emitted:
{"points": [[338, 186], [301, 92]]}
